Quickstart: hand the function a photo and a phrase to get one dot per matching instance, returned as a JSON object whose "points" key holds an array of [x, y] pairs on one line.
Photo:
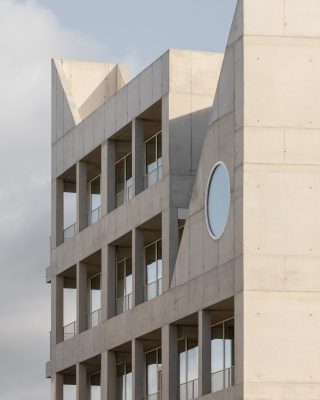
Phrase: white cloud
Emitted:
{"points": [[30, 35]]}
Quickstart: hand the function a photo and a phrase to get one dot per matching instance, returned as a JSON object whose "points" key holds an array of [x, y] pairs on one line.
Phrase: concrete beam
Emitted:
{"points": [[82, 196], [108, 282], [169, 336], [82, 297], [138, 155], [204, 364], [108, 376], [138, 269], [137, 369], [57, 387], [82, 382]]}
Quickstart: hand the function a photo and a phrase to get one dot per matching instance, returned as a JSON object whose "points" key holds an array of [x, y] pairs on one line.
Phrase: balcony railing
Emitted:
{"points": [[94, 215], [153, 176], [153, 396], [188, 390], [69, 232], [124, 195], [94, 318], [153, 289], [124, 303], [222, 379], [69, 331]]}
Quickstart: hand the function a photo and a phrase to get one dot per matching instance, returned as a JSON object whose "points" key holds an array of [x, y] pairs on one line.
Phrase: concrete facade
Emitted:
{"points": [[256, 109]]}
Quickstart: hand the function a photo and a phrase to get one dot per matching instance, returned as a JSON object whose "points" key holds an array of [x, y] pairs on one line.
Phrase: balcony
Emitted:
{"points": [[126, 194], [154, 175], [69, 331], [94, 215], [69, 232], [124, 303], [188, 390], [222, 379], [94, 318], [154, 396], [153, 289]]}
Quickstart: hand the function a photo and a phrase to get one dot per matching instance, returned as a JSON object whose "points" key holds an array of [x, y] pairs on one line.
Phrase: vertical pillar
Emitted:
{"points": [[138, 266], [82, 384], [57, 212], [138, 155], [104, 179], [170, 244], [169, 335], [108, 376], [111, 176], [56, 386], [82, 195], [108, 282], [82, 297], [56, 310], [137, 369], [204, 363]]}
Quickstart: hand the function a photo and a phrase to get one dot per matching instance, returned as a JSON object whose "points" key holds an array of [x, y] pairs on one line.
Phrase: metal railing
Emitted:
{"points": [[124, 195], [222, 379], [69, 232], [153, 396], [69, 331], [94, 318], [188, 390], [153, 176], [94, 215], [124, 303], [153, 289]]}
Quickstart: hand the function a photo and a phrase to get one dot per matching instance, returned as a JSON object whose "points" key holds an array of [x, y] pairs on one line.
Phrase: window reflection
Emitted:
{"points": [[95, 300], [153, 157], [153, 254], [153, 374], [188, 368], [95, 200], [124, 285], [124, 180], [124, 381], [222, 355]]}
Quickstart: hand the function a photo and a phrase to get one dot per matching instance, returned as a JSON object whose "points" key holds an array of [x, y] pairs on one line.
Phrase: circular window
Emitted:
{"points": [[218, 200]]}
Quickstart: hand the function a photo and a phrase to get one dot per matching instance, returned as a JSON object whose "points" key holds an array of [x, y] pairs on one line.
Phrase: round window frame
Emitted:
{"points": [[209, 229]]}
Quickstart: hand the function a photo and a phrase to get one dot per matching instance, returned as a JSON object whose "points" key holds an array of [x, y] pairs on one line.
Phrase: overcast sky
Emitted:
{"points": [[31, 33]]}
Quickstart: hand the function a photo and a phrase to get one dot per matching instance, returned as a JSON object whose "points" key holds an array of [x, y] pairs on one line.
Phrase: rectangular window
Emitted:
{"points": [[124, 285], [222, 355], [188, 368], [124, 381], [153, 374], [153, 255], [94, 213], [124, 180], [95, 301], [153, 160], [95, 393]]}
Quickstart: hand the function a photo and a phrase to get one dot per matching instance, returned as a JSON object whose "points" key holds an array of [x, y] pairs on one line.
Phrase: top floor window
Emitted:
{"points": [[124, 181], [153, 159]]}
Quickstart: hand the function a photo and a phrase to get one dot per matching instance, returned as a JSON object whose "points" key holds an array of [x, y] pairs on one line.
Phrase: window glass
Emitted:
{"points": [[95, 293], [151, 263], [128, 288], [217, 348], [95, 193], [229, 343], [192, 367], [69, 392], [152, 372], [124, 382], [95, 393], [120, 176]]}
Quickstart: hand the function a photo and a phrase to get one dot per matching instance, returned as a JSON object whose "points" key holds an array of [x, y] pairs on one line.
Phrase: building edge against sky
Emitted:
{"points": [[171, 299]]}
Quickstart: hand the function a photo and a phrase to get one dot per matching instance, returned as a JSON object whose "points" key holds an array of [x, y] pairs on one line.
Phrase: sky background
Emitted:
{"points": [[31, 33]]}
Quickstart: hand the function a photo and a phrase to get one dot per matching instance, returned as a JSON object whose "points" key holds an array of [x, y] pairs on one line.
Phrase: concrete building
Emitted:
{"points": [[194, 253]]}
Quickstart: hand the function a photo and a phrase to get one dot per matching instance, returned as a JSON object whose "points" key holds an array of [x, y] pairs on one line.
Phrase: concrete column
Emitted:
{"points": [[57, 212], [204, 362], [137, 369], [82, 297], [138, 266], [56, 386], [56, 310], [82, 382], [108, 376], [108, 282], [82, 196], [170, 244], [104, 179], [169, 334], [138, 155], [111, 176]]}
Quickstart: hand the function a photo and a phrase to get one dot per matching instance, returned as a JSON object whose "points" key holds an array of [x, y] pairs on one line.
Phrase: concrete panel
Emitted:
{"points": [[121, 108], [282, 103], [226, 86], [157, 80], [146, 89], [98, 127], [133, 98], [205, 71], [180, 67], [302, 21], [302, 146]]}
